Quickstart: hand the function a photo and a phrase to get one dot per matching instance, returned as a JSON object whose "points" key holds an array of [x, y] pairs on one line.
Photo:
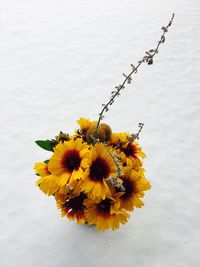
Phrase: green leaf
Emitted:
{"points": [[46, 161], [46, 144]]}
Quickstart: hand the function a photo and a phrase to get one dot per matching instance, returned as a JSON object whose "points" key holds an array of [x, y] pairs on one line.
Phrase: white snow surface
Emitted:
{"points": [[59, 60]]}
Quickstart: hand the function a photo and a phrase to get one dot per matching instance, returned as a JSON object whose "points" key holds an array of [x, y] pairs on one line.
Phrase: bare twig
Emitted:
{"points": [[113, 180], [133, 136], [148, 58], [118, 169], [140, 125]]}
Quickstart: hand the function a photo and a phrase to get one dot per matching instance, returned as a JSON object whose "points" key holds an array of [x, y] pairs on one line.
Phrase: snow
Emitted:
{"points": [[59, 60]]}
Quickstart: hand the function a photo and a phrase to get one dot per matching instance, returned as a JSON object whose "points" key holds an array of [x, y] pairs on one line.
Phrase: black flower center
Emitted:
{"points": [[129, 150], [99, 169], [129, 189], [71, 160], [76, 203], [104, 206]]}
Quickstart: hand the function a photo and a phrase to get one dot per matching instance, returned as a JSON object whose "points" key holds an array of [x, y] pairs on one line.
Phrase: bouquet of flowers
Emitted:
{"points": [[96, 175]]}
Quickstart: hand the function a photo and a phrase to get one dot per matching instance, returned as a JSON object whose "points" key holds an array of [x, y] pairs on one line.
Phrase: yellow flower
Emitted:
{"points": [[117, 138], [100, 168], [132, 150], [48, 184], [69, 160], [67, 191], [73, 208], [41, 168], [85, 124], [134, 184], [127, 150], [103, 215], [61, 195]]}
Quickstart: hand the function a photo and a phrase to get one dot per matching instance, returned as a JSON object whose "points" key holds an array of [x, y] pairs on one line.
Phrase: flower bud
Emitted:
{"points": [[93, 135], [107, 130]]}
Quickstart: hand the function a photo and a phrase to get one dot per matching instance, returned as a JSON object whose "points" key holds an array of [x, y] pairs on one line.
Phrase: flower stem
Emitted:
{"points": [[148, 58]]}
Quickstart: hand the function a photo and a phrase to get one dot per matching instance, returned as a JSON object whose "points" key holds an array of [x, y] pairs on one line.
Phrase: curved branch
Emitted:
{"points": [[148, 58]]}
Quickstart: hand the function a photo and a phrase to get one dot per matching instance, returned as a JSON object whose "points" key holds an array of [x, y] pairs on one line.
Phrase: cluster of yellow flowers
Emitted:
{"points": [[96, 177]]}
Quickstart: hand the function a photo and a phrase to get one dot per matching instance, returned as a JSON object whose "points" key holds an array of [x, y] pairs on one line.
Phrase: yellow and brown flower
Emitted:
{"points": [[73, 208], [101, 167], [132, 151], [127, 149], [134, 184], [103, 214], [69, 161]]}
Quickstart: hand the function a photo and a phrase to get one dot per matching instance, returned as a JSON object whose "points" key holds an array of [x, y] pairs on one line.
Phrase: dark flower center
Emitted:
{"points": [[129, 150], [104, 206], [99, 169], [128, 186], [76, 203], [71, 160]]}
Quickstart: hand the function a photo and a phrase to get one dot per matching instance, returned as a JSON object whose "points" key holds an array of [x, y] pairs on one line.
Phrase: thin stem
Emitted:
{"points": [[162, 38], [141, 125], [114, 161], [117, 93], [148, 58], [114, 180]]}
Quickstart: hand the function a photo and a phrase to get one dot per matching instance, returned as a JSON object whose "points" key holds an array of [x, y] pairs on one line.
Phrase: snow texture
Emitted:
{"points": [[59, 60]]}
